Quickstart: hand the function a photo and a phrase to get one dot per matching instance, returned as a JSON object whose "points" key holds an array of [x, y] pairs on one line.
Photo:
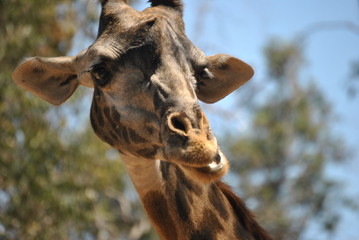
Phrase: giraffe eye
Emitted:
{"points": [[100, 74]]}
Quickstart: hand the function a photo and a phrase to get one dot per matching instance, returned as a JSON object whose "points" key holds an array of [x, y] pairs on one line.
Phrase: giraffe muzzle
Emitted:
{"points": [[190, 143], [216, 166]]}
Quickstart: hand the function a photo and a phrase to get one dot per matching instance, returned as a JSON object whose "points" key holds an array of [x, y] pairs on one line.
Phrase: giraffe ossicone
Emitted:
{"points": [[147, 78]]}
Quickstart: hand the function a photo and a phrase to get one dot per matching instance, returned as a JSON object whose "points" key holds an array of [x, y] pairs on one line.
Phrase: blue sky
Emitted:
{"points": [[243, 27]]}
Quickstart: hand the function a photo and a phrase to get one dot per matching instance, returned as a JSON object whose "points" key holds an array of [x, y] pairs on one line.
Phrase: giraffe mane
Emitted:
{"points": [[244, 215]]}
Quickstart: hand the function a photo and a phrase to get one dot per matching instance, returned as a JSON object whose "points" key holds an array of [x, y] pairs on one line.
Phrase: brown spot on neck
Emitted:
{"points": [[158, 211], [209, 228]]}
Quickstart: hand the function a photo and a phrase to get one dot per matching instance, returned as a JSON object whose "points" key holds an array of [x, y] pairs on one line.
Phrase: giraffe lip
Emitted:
{"points": [[214, 167]]}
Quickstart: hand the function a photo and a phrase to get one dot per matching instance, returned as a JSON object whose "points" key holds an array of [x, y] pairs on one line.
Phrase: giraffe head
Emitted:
{"points": [[147, 78]]}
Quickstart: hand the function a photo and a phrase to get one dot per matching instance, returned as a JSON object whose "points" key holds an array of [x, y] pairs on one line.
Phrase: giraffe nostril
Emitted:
{"points": [[179, 123]]}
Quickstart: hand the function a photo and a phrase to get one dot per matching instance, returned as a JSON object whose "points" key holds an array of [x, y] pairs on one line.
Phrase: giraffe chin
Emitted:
{"points": [[214, 171]]}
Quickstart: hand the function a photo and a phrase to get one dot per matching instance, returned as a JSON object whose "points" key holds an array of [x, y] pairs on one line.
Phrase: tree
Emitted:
{"points": [[281, 160], [56, 182], [352, 88]]}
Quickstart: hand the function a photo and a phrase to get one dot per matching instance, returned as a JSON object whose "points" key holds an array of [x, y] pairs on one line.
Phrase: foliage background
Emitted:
{"points": [[58, 181]]}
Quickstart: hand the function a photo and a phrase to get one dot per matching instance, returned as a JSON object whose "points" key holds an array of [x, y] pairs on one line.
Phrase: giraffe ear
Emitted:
{"points": [[225, 74], [52, 79]]}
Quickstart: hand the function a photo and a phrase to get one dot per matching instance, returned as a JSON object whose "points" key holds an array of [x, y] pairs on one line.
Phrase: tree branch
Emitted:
{"points": [[329, 25]]}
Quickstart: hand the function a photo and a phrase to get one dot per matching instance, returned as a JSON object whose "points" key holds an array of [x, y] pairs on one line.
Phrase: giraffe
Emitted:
{"points": [[147, 78]]}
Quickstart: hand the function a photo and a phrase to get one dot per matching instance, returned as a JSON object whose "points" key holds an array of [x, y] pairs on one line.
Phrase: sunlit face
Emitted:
{"points": [[147, 77], [145, 101]]}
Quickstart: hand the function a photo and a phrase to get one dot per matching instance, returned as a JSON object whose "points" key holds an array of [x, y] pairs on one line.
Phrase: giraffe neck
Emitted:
{"points": [[145, 175], [182, 209]]}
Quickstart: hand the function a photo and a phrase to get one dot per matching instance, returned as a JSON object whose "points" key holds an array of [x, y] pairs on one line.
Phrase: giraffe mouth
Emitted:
{"points": [[214, 167], [209, 172]]}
